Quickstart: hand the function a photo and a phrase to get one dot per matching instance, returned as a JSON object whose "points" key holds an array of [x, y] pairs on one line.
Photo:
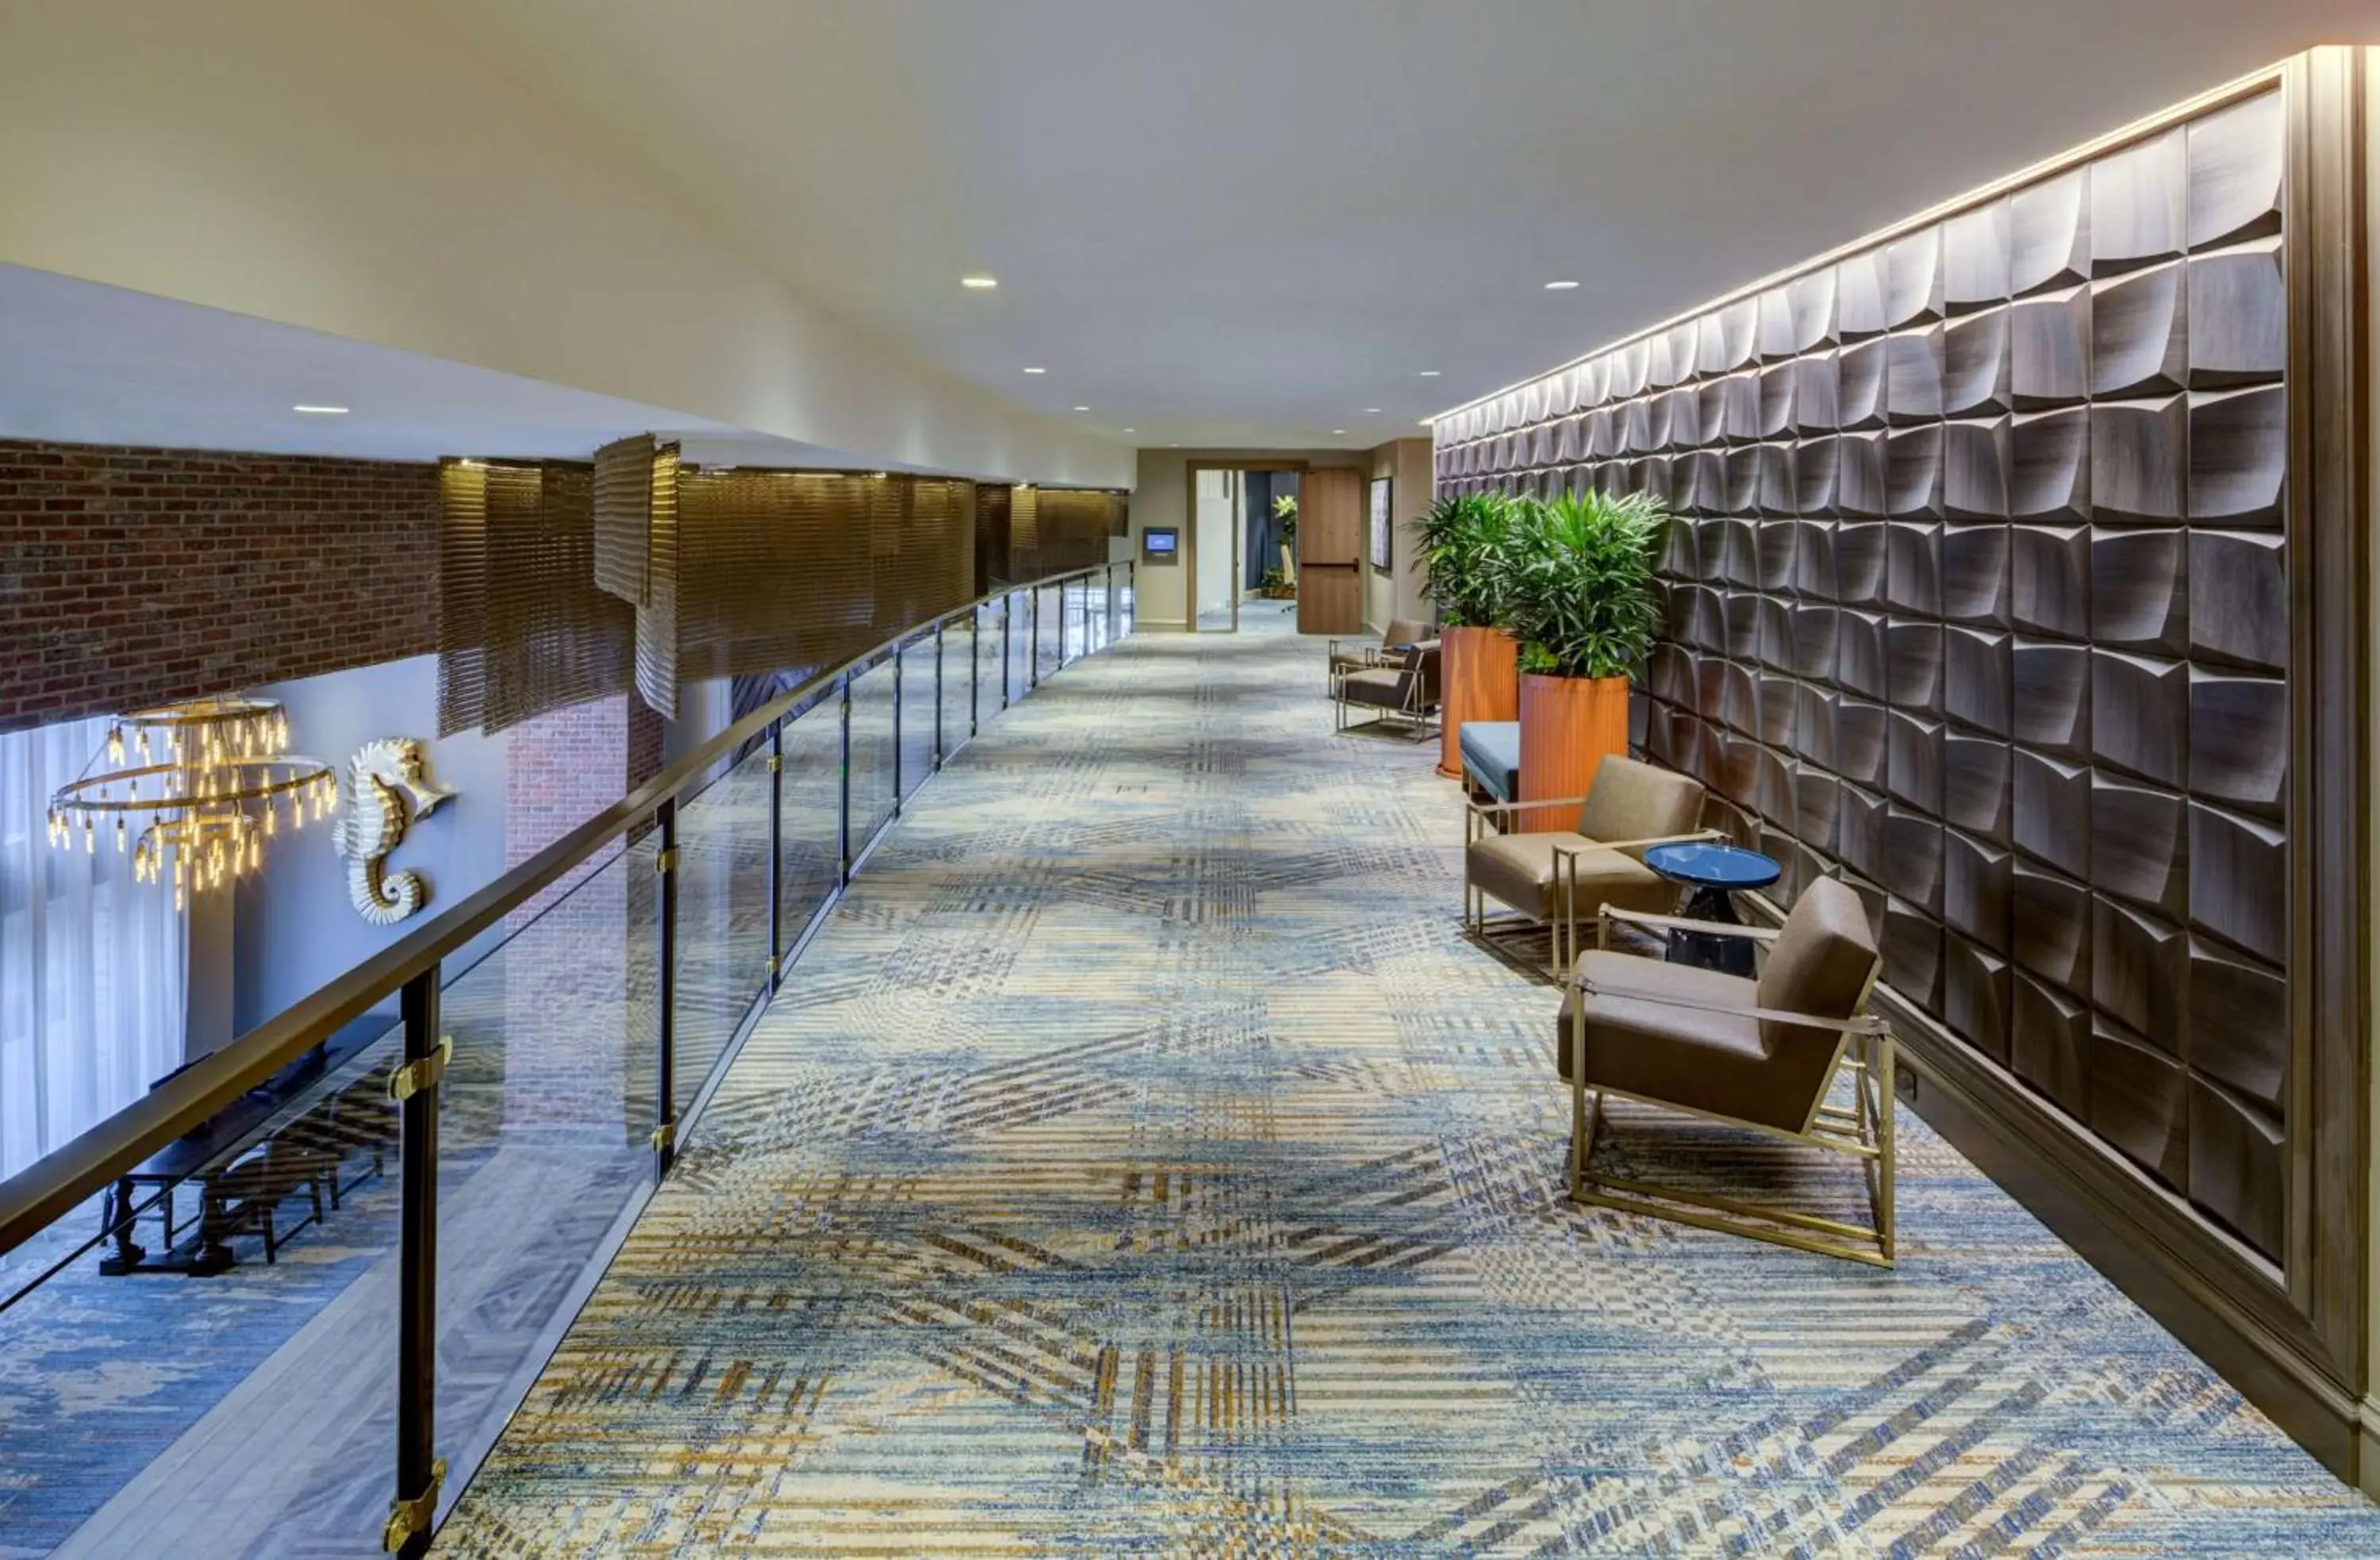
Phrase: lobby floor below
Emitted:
{"points": [[1141, 1160]]}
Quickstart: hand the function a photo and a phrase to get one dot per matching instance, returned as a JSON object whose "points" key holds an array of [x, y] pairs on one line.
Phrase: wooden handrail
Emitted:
{"points": [[45, 1190]]}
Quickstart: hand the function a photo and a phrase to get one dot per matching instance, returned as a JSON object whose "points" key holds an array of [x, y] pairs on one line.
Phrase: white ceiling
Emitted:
{"points": [[82, 362], [1244, 222]]}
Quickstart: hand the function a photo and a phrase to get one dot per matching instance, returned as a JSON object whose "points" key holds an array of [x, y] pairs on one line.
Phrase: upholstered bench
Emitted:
{"points": [[1491, 757]]}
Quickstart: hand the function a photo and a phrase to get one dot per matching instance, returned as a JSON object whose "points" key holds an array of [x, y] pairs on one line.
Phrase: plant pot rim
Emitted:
{"points": [[1565, 677]]}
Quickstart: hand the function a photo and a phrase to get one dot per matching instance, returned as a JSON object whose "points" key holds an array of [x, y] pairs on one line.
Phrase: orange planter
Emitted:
{"points": [[1478, 680], [1567, 725]]}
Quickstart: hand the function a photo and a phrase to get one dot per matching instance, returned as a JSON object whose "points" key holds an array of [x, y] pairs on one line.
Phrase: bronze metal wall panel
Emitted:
{"points": [[524, 628], [462, 596], [2004, 498]]}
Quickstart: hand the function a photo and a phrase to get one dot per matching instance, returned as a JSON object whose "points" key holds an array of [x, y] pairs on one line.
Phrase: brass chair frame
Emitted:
{"points": [[1863, 1050], [1482, 923]]}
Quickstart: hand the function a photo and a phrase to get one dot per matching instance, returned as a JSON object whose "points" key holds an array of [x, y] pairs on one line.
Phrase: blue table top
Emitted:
{"points": [[1714, 866]]}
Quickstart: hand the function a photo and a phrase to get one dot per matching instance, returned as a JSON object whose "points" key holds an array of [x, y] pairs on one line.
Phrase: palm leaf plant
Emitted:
{"points": [[1581, 584], [1468, 555]]}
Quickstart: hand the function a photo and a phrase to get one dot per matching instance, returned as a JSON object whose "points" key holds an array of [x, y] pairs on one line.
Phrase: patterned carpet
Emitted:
{"points": [[1142, 1162]]}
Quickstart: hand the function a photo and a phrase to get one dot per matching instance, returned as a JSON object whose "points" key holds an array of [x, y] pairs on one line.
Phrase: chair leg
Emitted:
{"points": [[1884, 1142]]}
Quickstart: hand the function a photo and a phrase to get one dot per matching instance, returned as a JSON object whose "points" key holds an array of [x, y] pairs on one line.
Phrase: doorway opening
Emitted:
{"points": [[1242, 547]]}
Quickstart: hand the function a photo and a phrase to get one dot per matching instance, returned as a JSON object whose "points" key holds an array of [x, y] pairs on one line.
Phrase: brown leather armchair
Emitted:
{"points": [[1765, 1055], [1556, 878], [1402, 690], [1354, 655]]}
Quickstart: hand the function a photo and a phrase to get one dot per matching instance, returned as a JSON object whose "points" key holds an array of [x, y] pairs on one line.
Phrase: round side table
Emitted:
{"points": [[1714, 873]]}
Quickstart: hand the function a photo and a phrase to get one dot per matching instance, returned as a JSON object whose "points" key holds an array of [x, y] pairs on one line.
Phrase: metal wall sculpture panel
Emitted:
{"points": [[564, 581], [1978, 597], [523, 627]]}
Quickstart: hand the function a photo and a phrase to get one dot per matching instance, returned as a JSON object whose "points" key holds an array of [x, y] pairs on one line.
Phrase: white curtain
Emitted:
{"points": [[93, 966]]}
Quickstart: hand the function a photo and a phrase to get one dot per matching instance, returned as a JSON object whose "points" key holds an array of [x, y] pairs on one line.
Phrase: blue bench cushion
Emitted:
{"points": [[1491, 757]]}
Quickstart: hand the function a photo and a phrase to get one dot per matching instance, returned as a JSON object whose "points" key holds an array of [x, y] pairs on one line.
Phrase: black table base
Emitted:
{"points": [[1708, 950]]}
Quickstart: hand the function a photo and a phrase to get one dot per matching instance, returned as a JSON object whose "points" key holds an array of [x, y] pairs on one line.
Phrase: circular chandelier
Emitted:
{"points": [[212, 778]]}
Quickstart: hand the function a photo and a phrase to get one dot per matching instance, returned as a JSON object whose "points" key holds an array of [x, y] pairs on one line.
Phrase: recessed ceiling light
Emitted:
{"points": [[1371, 408], [1429, 373], [321, 411], [1081, 408], [1338, 430], [1132, 430], [980, 284], [1560, 286], [1037, 370]]}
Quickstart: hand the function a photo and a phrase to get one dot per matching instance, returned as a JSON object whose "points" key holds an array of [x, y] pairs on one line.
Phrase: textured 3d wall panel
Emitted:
{"points": [[1978, 598]]}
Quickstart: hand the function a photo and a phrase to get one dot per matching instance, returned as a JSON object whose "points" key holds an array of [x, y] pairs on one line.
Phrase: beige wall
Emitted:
{"points": [[1160, 498], [1406, 462], [350, 169]]}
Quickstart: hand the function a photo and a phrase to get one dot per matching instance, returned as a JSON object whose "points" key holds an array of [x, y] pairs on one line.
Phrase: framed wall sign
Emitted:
{"points": [[1161, 544], [1382, 533]]}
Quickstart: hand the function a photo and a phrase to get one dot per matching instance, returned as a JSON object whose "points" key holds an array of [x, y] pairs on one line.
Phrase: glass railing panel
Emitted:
{"points": [[545, 1120], [1094, 612], [228, 1326], [920, 707], [809, 862], [991, 666], [1078, 620], [1053, 619], [723, 917], [958, 682], [1020, 644], [874, 751], [1126, 595]]}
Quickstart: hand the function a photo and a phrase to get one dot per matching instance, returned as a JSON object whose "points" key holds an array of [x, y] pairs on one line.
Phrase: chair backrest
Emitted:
{"points": [[1820, 965], [1405, 630], [1632, 800], [1421, 667]]}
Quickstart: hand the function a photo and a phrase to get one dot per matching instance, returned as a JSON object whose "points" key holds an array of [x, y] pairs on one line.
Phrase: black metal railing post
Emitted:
{"points": [[776, 851], [665, 991], [900, 654], [1033, 663], [842, 806], [938, 696], [1007, 644], [414, 1085], [975, 671]]}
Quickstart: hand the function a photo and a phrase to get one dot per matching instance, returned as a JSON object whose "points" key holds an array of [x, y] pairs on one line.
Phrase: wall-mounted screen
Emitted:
{"points": [[1381, 530], [1161, 544]]}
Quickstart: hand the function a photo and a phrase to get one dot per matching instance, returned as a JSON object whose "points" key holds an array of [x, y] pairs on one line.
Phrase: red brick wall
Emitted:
{"points": [[133, 576]]}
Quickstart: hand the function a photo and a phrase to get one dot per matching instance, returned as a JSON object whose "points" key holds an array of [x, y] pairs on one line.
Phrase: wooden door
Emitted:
{"points": [[1330, 552]]}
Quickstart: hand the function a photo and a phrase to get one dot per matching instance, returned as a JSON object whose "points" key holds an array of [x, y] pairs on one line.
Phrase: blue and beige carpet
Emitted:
{"points": [[1140, 1162]]}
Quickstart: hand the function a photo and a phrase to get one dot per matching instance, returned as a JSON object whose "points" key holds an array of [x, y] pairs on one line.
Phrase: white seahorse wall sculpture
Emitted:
{"points": [[388, 788]]}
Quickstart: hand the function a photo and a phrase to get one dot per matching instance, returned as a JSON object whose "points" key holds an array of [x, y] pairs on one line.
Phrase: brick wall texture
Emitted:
{"points": [[134, 576], [562, 767]]}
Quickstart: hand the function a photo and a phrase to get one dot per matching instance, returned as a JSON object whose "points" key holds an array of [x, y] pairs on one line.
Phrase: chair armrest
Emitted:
{"points": [[1696, 837], [1681, 923], [1485, 809], [1862, 1023]]}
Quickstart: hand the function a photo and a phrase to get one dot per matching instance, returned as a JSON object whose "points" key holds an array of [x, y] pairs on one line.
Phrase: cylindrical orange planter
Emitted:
{"points": [[1567, 725], [1478, 680]]}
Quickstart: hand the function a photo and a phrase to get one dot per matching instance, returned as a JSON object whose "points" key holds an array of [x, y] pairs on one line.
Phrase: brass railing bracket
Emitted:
{"points": [[665, 1137], [409, 1518], [666, 860], [408, 1078]]}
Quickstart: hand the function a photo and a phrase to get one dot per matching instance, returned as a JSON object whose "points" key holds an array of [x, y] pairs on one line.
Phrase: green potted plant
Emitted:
{"points": [[1584, 608], [1284, 509], [1468, 550]]}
